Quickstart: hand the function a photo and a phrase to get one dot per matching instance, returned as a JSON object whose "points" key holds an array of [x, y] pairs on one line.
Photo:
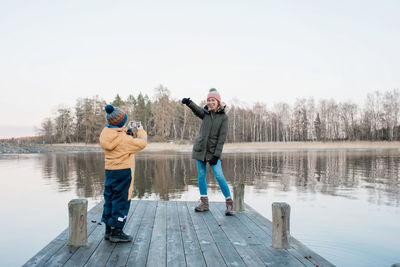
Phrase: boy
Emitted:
{"points": [[119, 153]]}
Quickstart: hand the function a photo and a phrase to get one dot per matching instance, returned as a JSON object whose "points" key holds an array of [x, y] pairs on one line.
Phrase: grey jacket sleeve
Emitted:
{"points": [[198, 111], [221, 137]]}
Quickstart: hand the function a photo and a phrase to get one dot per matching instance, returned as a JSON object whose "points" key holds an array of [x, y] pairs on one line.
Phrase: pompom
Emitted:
{"points": [[109, 108], [213, 90]]}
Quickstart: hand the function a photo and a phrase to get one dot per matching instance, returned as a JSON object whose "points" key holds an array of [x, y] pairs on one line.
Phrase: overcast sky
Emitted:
{"points": [[54, 52]]}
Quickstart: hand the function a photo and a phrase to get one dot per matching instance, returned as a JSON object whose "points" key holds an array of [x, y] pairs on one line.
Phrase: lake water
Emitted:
{"points": [[345, 205]]}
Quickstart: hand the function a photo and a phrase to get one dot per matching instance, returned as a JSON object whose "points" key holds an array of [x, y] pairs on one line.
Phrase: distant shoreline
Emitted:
{"points": [[228, 147], [260, 145]]}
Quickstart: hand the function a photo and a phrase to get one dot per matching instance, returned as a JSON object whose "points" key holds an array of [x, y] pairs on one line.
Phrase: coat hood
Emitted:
{"points": [[223, 108]]}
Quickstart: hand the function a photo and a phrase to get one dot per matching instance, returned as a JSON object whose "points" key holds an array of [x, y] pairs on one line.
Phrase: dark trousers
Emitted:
{"points": [[116, 203]]}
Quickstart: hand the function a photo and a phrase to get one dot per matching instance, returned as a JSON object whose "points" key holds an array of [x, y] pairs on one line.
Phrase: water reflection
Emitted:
{"points": [[345, 204], [168, 175], [81, 172]]}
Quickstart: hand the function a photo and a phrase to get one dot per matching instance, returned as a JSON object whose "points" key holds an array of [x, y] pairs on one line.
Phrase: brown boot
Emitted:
{"points": [[229, 207], [203, 206]]}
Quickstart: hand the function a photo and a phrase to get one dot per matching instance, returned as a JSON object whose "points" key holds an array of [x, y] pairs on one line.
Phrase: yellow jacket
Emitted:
{"points": [[119, 150]]}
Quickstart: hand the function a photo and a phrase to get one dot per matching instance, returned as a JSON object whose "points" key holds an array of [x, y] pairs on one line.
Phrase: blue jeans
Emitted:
{"points": [[217, 170]]}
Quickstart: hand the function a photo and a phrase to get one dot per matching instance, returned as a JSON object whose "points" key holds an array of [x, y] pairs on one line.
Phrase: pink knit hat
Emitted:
{"points": [[214, 94]]}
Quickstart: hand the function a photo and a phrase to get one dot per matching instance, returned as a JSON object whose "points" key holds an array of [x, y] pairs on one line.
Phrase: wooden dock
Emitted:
{"points": [[170, 233]]}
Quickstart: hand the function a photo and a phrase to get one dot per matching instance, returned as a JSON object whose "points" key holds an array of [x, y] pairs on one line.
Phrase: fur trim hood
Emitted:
{"points": [[223, 108]]}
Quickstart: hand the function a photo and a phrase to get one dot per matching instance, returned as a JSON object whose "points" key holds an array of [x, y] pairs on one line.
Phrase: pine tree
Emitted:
{"points": [[118, 102]]}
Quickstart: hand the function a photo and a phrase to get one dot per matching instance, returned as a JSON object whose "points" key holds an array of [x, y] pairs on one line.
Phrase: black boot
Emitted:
{"points": [[117, 236], [107, 233]]}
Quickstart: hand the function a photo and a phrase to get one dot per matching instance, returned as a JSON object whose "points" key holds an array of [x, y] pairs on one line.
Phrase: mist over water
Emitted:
{"points": [[345, 204]]}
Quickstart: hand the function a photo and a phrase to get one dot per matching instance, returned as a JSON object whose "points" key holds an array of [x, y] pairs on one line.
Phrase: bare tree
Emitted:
{"points": [[348, 117], [317, 127], [89, 119], [162, 114], [391, 101], [300, 119], [63, 125], [47, 130], [374, 110], [167, 119], [282, 113]]}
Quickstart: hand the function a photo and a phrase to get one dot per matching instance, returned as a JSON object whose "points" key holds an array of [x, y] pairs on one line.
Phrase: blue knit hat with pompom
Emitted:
{"points": [[115, 116]]}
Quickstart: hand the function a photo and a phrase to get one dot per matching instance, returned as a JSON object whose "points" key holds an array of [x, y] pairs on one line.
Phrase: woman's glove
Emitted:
{"points": [[213, 160], [186, 101]]}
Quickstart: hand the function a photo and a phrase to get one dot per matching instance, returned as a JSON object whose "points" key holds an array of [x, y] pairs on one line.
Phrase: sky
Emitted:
{"points": [[54, 52]]}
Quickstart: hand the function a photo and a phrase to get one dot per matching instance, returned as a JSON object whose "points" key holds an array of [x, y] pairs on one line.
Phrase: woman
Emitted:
{"points": [[208, 146]]}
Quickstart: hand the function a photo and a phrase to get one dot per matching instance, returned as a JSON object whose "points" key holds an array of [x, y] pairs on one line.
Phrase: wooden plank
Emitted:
{"points": [[66, 252], [52, 250], [265, 222], [80, 257], [301, 255], [305, 252], [48, 251], [259, 241], [140, 248], [269, 255], [266, 226], [208, 246], [158, 245], [228, 252], [233, 230], [175, 251], [100, 255], [171, 233], [105, 248], [193, 254], [120, 254]]}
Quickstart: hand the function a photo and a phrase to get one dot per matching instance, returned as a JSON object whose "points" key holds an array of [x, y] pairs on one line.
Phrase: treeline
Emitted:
{"points": [[166, 119]]}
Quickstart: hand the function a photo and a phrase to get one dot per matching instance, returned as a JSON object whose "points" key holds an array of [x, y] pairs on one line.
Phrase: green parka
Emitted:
{"points": [[213, 131]]}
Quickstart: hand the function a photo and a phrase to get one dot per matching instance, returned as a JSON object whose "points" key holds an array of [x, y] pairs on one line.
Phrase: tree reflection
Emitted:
{"points": [[168, 175]]}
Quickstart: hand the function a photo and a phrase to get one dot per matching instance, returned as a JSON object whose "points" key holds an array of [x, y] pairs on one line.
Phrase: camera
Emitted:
{"points": [[134, 124]]}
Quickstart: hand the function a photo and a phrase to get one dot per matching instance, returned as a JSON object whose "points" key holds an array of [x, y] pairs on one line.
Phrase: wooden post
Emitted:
{"points": [[238, 197], [280, 225], [77, 232]]}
